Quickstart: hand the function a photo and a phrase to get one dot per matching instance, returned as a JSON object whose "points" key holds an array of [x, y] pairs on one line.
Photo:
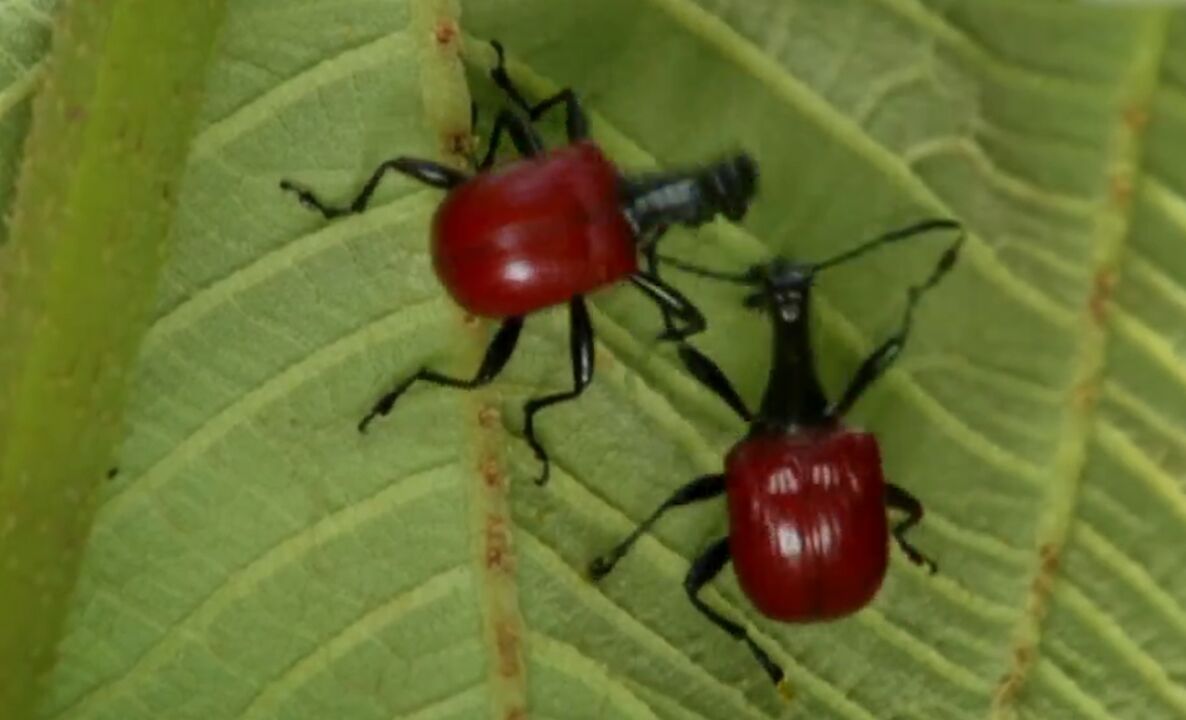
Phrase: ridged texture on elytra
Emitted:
{"points": [[807, 522], [534, 234]]}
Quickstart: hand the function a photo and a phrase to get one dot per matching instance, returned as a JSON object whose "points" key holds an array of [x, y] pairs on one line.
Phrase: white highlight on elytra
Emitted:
{"points": [[790, 541], [825, 476], [518, 271], [782, 482]]}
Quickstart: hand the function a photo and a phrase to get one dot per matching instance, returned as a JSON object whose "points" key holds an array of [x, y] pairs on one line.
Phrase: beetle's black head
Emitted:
{"points": [[780, 286], [690, 197], [783, 285], [730, 185]]}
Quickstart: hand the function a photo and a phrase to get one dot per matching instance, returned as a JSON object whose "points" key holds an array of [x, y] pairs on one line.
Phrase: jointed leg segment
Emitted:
{"points": [[702, 488], [524, 137], [575, 121], [426, 171], [703, 570], [498, 352], [674, 304], [899, 499], [581, 351]]}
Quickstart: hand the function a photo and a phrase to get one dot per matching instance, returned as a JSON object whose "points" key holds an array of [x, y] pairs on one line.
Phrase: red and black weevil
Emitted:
{"points": [[546, 230], [806, 497]]}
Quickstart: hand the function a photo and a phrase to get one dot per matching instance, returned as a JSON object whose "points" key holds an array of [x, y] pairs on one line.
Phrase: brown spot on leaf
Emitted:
{"points": [[498, 545], [1085, 394], [459, 144], [1050, 556], [1120, 188], [1135, 117], [1101, 294], [491, 472], [1010, 684], [446, 31], [1023, 655], [506, 638], [488, 416]]}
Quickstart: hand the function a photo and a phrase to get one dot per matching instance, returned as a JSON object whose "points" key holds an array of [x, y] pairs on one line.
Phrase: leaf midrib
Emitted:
{"points": [[1088, 370]]}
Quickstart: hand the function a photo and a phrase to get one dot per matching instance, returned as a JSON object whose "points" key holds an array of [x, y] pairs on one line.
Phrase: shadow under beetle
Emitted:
{"points": [[806, 497], [546, 230]]}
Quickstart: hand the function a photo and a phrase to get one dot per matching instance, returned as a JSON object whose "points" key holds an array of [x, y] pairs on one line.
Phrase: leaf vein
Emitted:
{"points": [[242, 580], [256, 399], [275, 691]]}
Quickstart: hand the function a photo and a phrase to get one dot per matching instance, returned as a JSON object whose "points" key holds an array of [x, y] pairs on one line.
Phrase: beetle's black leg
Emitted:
{"points": [[880, 360], [575, 120], [703, 570], [650, 248], [898, 499], [500, 77], [697, 363], [870, 370], [712, 377], [498, 352], [673, 303], [650, 256], [581, 350], [702, 488], [426, 171], [576, 123], [526, 140]]}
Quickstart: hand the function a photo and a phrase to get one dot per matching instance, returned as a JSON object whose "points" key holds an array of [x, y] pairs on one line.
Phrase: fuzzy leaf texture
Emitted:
{"points": [[257, 558], [84, 240]]}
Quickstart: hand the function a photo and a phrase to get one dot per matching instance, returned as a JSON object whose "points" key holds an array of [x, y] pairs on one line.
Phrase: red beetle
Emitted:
{"points": [[807, 499], [535, 234], [548, 229]]}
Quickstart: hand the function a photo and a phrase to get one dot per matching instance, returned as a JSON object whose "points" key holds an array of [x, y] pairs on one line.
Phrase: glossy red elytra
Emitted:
{"points": [[807, 499], [548, 229]]}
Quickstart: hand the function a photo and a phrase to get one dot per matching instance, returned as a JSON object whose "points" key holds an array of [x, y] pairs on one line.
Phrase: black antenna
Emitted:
{"points": [[749, 277], [753, 275], [918, 228]]}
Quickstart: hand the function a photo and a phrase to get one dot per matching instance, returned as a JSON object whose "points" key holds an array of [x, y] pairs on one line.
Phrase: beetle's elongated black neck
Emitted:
{"points": [[689, 197], [794, 397], [655, 200]]}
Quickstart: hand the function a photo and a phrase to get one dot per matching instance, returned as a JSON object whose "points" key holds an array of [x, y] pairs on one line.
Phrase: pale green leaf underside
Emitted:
{"points": [[24, 34], [257, 558]]}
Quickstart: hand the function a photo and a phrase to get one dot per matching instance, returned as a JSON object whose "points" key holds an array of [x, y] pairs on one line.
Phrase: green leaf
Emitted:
{"points": [[24, 32], [89, 225], [258, 558]]}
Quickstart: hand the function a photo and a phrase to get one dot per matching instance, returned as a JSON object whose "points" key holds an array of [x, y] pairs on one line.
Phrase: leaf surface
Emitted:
{"points": [[258, 558], [83, 242]]}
